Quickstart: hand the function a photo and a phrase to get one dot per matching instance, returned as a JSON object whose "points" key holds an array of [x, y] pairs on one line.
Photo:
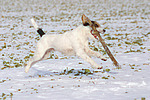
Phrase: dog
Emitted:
{"points": [[73, 42]]}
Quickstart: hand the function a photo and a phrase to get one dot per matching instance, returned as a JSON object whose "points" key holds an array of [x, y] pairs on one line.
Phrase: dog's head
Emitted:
{"points": [[93, 25]]}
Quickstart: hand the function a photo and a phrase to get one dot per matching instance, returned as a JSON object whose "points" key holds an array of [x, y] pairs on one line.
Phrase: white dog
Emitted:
{"points": [[74, 42]]}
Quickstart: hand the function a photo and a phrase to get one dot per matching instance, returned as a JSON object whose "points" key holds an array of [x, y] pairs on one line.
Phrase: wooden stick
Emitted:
{"points": [[107, 50], [84, 18], [104, 44]]}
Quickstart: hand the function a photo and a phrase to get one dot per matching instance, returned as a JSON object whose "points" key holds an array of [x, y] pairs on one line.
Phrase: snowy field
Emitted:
{"points": [[70, 78]]}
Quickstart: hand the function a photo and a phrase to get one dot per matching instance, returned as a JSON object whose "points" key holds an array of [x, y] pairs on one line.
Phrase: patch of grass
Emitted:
{"points": [[5, 96], [133, 51], [137, 41], [76, 72], [2, 81], [107, 70], [104, 77], [84, 72], [111, 38], [129, 43], [134, 21], [135, 67], [15, 62], [142, 98]]}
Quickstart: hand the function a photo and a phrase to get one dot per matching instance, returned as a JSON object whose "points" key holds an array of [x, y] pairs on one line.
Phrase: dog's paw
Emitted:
{"points": [[26, 69], [100, 67], [104, 59], [97, 67]]}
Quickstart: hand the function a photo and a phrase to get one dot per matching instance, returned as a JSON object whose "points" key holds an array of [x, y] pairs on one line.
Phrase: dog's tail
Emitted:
{"points": [[39, 30]]}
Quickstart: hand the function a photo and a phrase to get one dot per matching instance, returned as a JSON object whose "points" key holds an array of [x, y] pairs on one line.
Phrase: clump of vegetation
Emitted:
{"points": [[135, 42], [5, 96], [15, 62], [131, 50], [142, 98], [84, 72], [76, 72], [107, 70], [105, 77]]}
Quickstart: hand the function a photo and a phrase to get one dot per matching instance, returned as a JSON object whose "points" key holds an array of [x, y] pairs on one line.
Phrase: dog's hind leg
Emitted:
{"points": [[47, 54], [41, 53], [30, 63], [38, 56]]}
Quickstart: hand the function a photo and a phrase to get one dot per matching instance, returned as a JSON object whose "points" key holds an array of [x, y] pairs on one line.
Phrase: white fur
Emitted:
{"points": [[74, 42]]}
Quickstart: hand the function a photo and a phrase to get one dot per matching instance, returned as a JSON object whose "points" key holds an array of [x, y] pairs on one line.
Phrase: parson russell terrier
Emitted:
{"points": [[73, 42]]}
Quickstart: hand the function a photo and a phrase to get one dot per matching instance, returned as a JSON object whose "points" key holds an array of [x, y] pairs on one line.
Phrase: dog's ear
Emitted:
{"points": [[86, 21]]}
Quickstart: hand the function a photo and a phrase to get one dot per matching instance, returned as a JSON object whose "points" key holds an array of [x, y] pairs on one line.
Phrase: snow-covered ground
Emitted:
{"points": [[128, 37]]}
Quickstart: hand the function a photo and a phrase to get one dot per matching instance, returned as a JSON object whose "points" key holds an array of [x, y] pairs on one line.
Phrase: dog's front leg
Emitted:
{"points": [[84, 56], [95, 54]]}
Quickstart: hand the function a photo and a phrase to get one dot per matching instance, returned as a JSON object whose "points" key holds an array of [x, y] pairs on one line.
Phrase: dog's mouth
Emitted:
{"points": [[95, 36]]}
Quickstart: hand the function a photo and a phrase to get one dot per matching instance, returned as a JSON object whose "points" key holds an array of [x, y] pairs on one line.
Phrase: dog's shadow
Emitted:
{"points": [[41, 73]]}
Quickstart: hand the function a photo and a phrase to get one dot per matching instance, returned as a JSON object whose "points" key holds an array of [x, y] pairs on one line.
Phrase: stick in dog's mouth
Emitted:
{"points": [[96, 32], [107, 49]]}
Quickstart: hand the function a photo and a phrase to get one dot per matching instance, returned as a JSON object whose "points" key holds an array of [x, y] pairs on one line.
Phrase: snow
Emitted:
{"points": [[44, 81]]}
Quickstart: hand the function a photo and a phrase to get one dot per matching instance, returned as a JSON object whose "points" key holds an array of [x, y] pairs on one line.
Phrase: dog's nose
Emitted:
{"points": [[104, 30]]}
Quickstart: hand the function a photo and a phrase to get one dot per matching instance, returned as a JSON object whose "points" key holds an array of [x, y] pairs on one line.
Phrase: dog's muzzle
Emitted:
{"points": [[93, 33], [95, 36]]}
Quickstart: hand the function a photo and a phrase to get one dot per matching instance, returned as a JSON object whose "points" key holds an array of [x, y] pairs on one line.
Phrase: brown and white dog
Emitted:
{"points": [[73, 42]]}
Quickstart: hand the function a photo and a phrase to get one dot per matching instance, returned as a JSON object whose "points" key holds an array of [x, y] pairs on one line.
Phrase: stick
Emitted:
{"points": [[104, 45], [107, 50]]}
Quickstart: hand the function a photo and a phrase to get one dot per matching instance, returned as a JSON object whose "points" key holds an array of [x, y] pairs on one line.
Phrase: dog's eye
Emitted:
{"points": [[86, 24], [96, 25]]}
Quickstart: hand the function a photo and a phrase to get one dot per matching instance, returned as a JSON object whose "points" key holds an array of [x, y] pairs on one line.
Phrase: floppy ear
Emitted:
{"points": [[86, 21]]}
